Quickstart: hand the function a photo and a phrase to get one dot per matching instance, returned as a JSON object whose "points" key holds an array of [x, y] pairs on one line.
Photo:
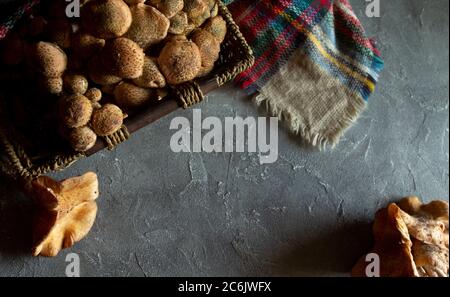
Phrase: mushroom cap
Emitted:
{"points": [[180, 61], [94, 94], [52, 85], [86, 45], [208, 45], [75, 110], [48, 59], [149, 26], [151, 76], [107, 119], [178, 23], [195, 8], [123, 57], [168, 7], [75, 83], [106, 18], [82, 139], [217, 27], [65, 212], [130, 96]]}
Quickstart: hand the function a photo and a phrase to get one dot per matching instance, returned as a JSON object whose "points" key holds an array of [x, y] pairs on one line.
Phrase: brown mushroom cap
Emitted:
{"points": [[94, 94], [151, 76], [75, 83], [75, 110], [52, 85], [178, 23], [168, 7], [86, 45], [209, 47], [217, 27], [149, 26], [48, 59], [123, 57], [107, 120], [195, 8], [130, 96], [106, 18], [180, 61], [65, 212], [82, 139]]}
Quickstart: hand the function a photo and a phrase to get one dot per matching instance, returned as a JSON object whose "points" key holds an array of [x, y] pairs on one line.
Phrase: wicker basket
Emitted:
{"points": [[23, 163]]}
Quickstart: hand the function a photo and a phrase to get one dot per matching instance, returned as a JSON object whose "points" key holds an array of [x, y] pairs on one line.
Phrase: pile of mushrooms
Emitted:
{"points": [[118, 56]]}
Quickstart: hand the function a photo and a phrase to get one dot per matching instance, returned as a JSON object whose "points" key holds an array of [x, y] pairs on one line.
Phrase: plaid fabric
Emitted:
{"points": [[327, 31], [10, 13]]}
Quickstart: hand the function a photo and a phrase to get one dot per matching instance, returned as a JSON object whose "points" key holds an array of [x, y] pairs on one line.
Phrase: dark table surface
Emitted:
{"points": [[167, 214]]}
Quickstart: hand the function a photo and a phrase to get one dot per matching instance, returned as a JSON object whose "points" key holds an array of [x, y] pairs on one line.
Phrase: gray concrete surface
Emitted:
{"points": [[167, 214]]}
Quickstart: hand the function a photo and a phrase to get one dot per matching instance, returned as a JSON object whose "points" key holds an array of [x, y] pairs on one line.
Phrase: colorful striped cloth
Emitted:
{"points": [[315, 68]]}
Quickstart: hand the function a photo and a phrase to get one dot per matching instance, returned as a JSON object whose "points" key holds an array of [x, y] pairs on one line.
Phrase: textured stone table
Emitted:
{"points": [[167, 214]]}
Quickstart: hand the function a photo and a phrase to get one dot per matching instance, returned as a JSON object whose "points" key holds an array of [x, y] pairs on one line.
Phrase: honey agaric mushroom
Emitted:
{"points": [[123, 57], [209, 48], [75, 110], [75, 83], [149, 25], [179, 23], [107, 119], [168, 7], [180, 61], [65, 213], [47, 59], [106, 18], [411, 240], [129, 96], [217, 27]]}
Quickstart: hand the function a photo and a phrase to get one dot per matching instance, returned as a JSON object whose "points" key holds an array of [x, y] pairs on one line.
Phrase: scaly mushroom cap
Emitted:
{"points": [[149, 26], [209, 48], [168, 7], [75, 83], [107, 120], [151, 76], [75, 110], [178, 23], [180, 61], [123, 57], [82, 139], [195, 8], [94, 94], [65, 214], [129, 96], [52, 86], [217, 27], [106, 18], [48, 59]]}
